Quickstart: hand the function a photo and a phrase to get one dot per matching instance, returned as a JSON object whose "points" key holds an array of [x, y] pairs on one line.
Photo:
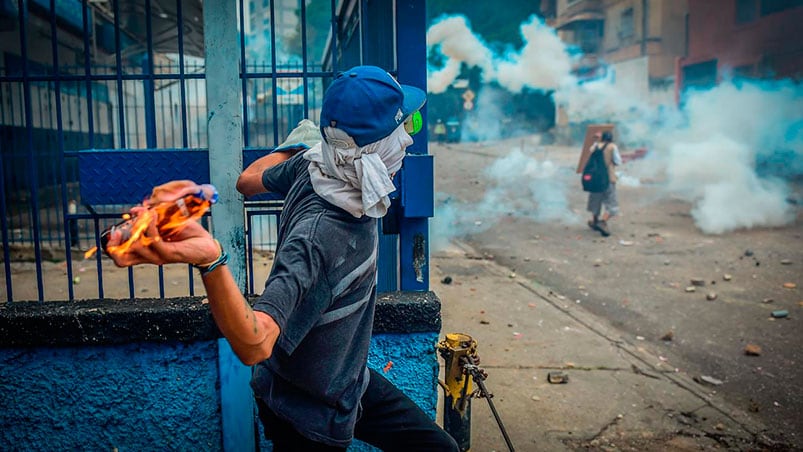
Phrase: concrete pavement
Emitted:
{"points": [[620, 394]]}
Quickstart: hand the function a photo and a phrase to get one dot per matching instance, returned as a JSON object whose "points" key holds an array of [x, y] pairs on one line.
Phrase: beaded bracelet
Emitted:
{"points": [[222, 259]]}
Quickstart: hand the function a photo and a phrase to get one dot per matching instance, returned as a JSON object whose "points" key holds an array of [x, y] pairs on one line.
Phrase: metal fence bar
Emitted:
{"points": [[273, 69], [88, 73], [4, 225], [118, 61], [31, 155], [68, 230]]}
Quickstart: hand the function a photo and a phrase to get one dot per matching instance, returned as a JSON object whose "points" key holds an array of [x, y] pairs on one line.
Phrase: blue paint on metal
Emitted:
{"points": [[103, 182], [237, 399], [411, 49], [131, 397], [387, 262], [417, 181], [414, 254]]}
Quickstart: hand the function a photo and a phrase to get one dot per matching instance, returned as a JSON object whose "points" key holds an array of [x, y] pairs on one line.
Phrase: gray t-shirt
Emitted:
{"points": [[322, 292]]}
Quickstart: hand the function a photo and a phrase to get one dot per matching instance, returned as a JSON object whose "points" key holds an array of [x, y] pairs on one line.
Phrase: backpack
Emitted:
{"points": [[595, 173]]}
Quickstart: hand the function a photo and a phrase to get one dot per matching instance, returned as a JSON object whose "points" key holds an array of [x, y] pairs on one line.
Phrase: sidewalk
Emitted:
{"points": [[619, 396]]}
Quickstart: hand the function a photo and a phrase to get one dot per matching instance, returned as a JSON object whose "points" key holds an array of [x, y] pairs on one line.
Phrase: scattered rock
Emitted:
{"points": [[727, 277], [691, 289], [748, 253], [789, 285], [512, 275], [447, 280], [711, 296], [708, 380], [780, 314], [668, 336], [699, 282], [767, 300], [786, 262], [752, 350], [557, 377]]}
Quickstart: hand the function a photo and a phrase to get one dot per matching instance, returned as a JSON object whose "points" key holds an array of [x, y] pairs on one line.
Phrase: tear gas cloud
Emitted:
{"points": [[730, 152], [519, 185]]}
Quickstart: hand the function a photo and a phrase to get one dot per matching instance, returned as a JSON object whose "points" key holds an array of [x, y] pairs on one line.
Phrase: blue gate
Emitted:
{"points": [[99, 101]]}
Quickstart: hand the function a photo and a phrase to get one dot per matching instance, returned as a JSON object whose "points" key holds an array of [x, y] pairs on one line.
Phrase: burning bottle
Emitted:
{"points": [[171, 217]]}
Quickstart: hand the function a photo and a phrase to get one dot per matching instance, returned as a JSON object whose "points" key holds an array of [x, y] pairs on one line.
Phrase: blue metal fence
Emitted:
{"points": [[83, 77]]}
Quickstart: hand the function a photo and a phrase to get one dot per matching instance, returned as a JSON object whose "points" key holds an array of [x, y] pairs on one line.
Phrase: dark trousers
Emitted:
{"points": [[390, 421]]}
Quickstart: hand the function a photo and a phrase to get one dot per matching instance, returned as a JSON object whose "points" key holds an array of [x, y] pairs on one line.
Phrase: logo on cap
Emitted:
{"points": [[399, 116]]}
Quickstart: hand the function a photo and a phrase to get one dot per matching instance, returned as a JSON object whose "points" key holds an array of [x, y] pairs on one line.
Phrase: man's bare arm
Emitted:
{"points": [[252, 334], [250, 181]]}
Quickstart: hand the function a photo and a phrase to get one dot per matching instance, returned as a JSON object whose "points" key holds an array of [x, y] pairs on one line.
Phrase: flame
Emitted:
{"points": [[139, 225], [169, 220]]}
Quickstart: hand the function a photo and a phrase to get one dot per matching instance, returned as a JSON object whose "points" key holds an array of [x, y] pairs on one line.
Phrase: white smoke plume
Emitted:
{"points": [[733, 133], [542, 63], [455, 41], [731, 151]]}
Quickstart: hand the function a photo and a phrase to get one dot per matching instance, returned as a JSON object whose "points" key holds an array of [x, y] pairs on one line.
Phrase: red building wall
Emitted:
{"points": [[769, 45]]}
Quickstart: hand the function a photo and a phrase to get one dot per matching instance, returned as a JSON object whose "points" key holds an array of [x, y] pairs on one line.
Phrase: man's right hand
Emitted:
{"points": [[191, 245]]}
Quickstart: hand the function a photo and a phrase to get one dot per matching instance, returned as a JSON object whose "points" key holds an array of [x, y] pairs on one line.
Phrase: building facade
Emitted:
{"points": [[742, 38], [636, 43]]}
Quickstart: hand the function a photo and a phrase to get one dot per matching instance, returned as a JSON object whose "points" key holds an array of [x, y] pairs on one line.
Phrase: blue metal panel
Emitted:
{"points": [[387, 263], [128, 176], [418, 186], [236, 400], [411, 48]]}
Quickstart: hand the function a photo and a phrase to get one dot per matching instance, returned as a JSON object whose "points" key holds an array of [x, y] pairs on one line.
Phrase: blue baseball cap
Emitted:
{"points": [[367, 103]]}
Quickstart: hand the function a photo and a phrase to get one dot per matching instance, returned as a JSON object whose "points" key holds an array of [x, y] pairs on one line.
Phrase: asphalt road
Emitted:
{"points": [[520, 204]]}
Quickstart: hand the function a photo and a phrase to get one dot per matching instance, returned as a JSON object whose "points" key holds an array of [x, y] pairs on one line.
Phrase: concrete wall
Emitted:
{"points": [[128, 397], [139, 375]]}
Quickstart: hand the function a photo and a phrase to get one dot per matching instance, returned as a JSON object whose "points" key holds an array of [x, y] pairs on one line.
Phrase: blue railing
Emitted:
{"points": [[132, 79], [115, 86]]}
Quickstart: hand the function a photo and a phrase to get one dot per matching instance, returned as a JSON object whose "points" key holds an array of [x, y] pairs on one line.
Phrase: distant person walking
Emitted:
{"points": [[609, 154], [440, 131]]}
